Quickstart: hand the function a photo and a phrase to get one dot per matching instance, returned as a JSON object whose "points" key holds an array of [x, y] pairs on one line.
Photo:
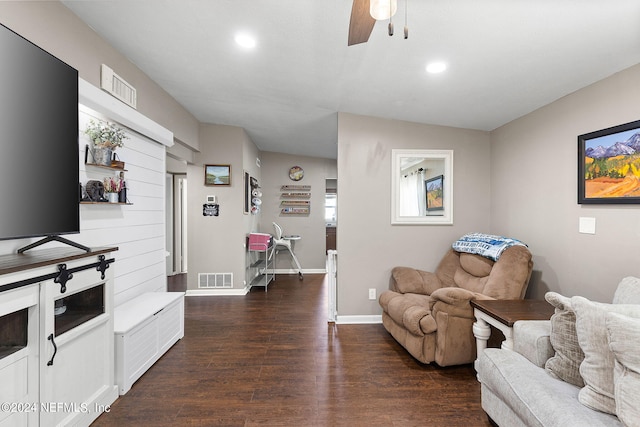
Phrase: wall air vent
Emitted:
{"points": [[112, 83], [215, 280]]}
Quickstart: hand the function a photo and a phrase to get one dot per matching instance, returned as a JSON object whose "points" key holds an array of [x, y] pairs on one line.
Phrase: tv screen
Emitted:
{"points": [[39, 175]]}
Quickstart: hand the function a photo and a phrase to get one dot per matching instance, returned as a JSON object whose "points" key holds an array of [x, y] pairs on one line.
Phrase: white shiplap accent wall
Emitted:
{"points": [[138, 230]]}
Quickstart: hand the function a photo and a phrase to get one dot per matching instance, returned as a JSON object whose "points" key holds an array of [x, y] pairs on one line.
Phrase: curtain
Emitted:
{"points": [[413, 195], [422, 194]]}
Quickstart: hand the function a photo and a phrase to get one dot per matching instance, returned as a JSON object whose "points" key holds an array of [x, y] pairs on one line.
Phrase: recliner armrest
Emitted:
{"points": [[453, 296], [454, 301], [531, 339]]}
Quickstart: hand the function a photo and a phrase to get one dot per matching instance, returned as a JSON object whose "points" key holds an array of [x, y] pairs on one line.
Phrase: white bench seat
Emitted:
{"points": [[144, 329]]}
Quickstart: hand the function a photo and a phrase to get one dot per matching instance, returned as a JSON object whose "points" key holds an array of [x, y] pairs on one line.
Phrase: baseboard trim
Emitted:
{"points": [[307, 271], [216, 292], [359, 320]]}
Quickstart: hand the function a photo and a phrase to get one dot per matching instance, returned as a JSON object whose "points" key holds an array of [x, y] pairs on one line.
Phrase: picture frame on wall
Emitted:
{"points": [[609, 165], [435, 194], [217, 175], [247, 193]]}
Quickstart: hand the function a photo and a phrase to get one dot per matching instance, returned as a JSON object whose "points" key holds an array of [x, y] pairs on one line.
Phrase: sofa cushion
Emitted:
{"points": [[624, 342], [469, 282], [476, 265], [597, 367], [565, 364], [532, 396], [385, 297], [628, 291], [407, 279]]}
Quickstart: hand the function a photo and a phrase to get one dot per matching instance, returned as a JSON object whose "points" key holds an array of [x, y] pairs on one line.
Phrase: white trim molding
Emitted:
{"points": [[304, 271], [216, 292], [359, 320]]}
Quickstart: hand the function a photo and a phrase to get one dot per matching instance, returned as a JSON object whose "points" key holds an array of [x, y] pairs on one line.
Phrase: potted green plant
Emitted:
{"points": [[105, 137]]}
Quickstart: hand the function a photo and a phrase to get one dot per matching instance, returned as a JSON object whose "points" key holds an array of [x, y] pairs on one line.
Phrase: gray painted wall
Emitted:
{"points": [[217, 243], [534, 192], [519, 180], [310, 249], [368, 245]]}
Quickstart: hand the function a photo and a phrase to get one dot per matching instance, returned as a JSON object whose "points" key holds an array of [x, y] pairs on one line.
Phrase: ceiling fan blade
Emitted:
{"points": [[361, 23]]}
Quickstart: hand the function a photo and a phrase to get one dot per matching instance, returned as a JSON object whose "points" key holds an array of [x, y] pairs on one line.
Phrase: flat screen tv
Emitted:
{"points": [[39, 177]]}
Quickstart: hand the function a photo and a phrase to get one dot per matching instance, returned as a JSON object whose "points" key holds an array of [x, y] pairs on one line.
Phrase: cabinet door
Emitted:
{"points": [[19, 356], [76, 336]]}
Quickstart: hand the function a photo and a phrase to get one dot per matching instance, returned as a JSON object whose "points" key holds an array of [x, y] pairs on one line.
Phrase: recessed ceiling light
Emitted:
{"points": [[246, 40], [436, 67]]}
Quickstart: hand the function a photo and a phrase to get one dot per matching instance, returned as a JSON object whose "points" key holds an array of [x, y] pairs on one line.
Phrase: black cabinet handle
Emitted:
{"points": [[102, 266], [63, 277], [55, 350]]}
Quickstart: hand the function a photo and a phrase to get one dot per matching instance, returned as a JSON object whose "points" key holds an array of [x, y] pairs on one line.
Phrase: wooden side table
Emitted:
{"points": [[502, 314]]}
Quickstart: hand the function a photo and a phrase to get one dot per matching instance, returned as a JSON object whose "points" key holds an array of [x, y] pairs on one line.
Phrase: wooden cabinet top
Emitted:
{"points": [[13, 263]]}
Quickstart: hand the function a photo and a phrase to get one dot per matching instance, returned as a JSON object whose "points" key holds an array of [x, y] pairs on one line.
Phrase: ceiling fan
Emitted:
{"points": [[364, 14]]}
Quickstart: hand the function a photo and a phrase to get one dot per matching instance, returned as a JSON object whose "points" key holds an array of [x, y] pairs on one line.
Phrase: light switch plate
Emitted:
{"points": [[587, 225]]}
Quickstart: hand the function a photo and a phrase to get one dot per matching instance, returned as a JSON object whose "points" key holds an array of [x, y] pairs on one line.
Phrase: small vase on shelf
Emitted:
{"points": [[112, 187], [102, 156], [113, 197]]}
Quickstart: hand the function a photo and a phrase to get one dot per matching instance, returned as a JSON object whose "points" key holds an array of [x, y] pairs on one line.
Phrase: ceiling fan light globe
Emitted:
{"points": [[436, 67], [379, 9], [245, 40]]}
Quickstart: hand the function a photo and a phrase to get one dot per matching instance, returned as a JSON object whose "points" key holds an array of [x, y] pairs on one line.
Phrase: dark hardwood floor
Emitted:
{"points": [[271, 359]]}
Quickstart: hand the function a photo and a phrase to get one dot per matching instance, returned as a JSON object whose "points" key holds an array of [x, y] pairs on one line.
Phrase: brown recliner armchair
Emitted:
{"points": [[430, 314]]}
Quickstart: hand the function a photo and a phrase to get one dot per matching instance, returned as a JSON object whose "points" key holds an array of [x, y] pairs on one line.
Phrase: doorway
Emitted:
{"points": [[176, 223], [331, 224], [181, 235], [331, 212]]}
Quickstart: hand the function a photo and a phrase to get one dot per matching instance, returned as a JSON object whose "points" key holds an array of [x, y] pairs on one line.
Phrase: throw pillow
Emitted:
{"points": [[628, 291], [624, 342], [597, 367], [565, 364]]}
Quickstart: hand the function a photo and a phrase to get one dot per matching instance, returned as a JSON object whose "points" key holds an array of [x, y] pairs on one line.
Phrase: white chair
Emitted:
{"points": [[282, 242]]}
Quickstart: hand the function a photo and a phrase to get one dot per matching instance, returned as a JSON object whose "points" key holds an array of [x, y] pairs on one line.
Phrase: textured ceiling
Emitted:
{"points": [[505, 59]]}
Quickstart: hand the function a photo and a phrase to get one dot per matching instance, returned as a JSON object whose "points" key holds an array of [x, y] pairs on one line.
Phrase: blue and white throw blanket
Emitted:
{"points": [[486, 245]]}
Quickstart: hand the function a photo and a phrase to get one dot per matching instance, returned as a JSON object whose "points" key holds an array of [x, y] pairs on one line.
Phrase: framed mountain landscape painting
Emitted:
{"points": [[609, 165]]}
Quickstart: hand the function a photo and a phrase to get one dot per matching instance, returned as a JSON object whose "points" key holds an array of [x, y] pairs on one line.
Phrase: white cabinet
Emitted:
{"points": [[145, 328], [19, 355], [78, 369], [64, 369]]}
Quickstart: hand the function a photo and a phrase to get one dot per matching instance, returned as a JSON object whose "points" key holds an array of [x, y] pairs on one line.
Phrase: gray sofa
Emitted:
{"points": [[517, 390]]}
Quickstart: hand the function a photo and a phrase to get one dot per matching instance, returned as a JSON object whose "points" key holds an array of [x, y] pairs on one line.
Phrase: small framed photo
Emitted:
{"points": [[217, 175], [247, 192], [609, 165]]}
